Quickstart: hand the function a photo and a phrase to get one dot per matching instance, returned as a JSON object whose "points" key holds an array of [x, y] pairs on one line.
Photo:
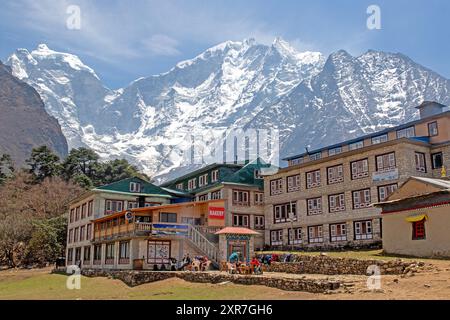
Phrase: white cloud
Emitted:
{"points": [[161, 45]]}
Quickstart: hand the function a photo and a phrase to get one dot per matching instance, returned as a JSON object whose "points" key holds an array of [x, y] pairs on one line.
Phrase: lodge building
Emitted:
{"points": [[133, 224], [324, 198]]}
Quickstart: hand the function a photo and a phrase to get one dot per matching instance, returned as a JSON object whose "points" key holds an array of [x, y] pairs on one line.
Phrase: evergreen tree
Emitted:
{"points": [[6, 167], [80, 162], [43, 164]]}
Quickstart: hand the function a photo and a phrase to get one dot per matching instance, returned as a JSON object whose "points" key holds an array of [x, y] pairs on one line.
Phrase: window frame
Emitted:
{"points": [[436, 128], [388, 167], [314, 206], [433, 166], [167, 214], [362, 174], [418, 230], [293, 183], [356, 145], [341, 207], [240, 220], [423, 156], [342, 236], [363, 193], [363, 224], [317, 179], [276, 186], [317, 232], [405, 130], [284, 209], [379, 188], [381, 139], [338, 179], [278, 235]]}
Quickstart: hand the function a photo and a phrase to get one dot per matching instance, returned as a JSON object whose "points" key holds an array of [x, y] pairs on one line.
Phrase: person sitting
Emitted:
{"points": [[173, 264], [256, 266], [185, 262], [204, 265]]}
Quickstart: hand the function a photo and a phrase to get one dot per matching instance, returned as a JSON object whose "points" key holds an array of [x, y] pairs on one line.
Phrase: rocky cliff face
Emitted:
{"points": [[24, 122]]}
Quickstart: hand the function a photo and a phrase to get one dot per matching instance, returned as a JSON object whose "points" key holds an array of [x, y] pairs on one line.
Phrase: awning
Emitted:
{"points": [[417, 218]]}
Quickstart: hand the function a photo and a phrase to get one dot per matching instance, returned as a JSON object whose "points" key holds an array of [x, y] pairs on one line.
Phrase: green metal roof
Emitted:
{"points": [[246, 175], [123, 186]]}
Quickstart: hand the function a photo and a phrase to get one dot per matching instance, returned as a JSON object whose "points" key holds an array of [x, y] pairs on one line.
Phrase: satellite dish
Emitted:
{"points": [[129, 216]]}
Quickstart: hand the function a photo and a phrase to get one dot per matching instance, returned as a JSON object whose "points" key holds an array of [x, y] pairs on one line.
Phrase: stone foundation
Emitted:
{"points": [[322, 264], [135, 278]]}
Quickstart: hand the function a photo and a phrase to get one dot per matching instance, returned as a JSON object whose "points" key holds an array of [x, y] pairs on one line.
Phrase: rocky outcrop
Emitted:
{"points": [[24, 123]]}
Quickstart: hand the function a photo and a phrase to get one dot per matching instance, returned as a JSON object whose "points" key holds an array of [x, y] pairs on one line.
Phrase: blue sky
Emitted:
{"points": [[124, 40]]}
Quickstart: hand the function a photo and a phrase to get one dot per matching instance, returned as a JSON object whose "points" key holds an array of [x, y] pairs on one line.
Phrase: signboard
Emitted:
{"points": [[169, 229], [217, 213], [385, 176]]}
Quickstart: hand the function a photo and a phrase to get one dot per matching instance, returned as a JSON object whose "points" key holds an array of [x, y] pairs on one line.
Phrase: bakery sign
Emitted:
{"points": [[217, 213]]}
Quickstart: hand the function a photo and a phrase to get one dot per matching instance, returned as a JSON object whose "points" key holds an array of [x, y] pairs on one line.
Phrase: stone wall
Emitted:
{"points": [[135, 278], [322, 264]]}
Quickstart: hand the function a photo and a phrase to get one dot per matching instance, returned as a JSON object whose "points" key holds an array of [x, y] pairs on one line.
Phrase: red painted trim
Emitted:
{"points": [[418, 207]]}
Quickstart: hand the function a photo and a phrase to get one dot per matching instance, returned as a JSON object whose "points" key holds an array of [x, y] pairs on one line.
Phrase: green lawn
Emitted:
{"points": [[39, 284]]}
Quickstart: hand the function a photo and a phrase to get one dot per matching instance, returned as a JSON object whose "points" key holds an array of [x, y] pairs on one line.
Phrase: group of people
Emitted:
{"points": [[235, 262], [198, 263]]}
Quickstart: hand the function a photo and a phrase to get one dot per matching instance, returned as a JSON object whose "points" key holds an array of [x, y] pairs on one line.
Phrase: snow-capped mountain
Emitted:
{"points": [[311, 100]]}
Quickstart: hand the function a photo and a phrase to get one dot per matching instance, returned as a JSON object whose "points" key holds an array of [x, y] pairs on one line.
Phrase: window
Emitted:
{"points": [[380, 139], [192, 184], [386, 191], [356, 145], [216, 195], [315, 234], [406, 133], [257, 174], [363, 230], [83, 210], [135, 187], [338, 232], [69, 255], [70, 240], [313, 179], [76, 235], [361, 199], [295, 235], [314, 206], [336, 202], [77, 214], [215, 176], [89, 232], [113, 206], [168, 217], [276, 187], [293, 183], [296, 161], [179, 186], [124, 252], [360, 169], [315, 156], [418, 230], [241, 220], [335, 174], [433, 129], [82, 230], [203, 180], [72, 215], [259, 222], [241, 198], [90, 208], [77, 255], [87, 255], [259, 198], [276, 237], [109, 257], [437, 160], [334, 151], [97, 253], [203, 197], [420, 162], [158, 252], [132, 205], [284, 212], [385, 162]]}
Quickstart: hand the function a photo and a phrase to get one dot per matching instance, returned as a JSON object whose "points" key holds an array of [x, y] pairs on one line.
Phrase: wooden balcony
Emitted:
{"points": [[138, 229]]}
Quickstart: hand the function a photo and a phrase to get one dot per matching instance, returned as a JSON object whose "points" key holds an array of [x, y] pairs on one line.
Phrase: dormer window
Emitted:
{"points": [[135, 187], [315, 156], [215, 176], [356, 145], [192, 184], [203, 180], [257, 174]]}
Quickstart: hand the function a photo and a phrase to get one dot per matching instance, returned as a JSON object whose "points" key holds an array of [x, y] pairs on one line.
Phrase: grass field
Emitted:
{"points": [[40, 284]]}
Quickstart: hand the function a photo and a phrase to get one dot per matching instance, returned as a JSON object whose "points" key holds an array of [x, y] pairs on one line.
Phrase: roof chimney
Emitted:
{"points": [[430, 108]]}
